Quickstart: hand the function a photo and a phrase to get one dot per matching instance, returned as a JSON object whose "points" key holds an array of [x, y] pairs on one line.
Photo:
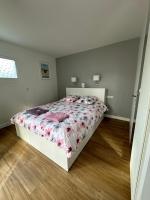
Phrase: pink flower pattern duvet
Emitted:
{"points": [[66, 134]]}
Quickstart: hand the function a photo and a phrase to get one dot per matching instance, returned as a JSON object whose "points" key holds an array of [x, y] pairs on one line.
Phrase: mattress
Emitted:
{"points": [[69, 133]]}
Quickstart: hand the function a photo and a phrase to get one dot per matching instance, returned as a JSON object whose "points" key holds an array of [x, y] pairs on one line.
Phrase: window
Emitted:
{"points": [[7, 68]]}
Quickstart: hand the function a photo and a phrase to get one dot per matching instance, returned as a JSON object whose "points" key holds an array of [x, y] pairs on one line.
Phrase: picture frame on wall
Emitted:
{"points": [[44, 69]]}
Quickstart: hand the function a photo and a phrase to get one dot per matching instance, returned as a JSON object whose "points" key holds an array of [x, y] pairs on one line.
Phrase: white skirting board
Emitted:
{"points": [[117, 117], [3, 125]]}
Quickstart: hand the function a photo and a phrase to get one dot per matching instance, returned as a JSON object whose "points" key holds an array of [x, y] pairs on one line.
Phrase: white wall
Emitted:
{"points": [[29, 89], [146, 187]]}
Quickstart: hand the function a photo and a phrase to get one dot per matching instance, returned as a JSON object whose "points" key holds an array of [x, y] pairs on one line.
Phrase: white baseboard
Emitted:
{"points": [[117, 117], [3, 125]]}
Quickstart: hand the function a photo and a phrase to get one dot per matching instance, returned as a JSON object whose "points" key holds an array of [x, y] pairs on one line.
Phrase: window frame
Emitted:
{"points": [[14, 59]]}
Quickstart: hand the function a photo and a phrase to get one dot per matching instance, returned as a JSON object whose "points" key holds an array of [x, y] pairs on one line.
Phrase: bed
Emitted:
{"points": [[62, 142]]}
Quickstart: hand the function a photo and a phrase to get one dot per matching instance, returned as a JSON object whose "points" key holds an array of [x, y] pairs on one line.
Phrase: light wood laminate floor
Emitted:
{"points": [[100, 172]]}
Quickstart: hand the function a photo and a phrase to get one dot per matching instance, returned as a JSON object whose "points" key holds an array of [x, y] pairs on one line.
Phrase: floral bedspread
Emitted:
{"points": [[68, 133]]}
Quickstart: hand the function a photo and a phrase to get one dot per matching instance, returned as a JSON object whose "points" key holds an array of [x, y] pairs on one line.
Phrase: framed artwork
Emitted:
{"points": [[44, 70]]}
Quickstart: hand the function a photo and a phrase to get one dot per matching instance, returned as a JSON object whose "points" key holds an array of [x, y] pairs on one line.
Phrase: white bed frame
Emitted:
{"points": [[50, 149]]}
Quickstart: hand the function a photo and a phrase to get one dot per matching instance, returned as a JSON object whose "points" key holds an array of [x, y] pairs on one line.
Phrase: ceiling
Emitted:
{"points": [[63, 27]]}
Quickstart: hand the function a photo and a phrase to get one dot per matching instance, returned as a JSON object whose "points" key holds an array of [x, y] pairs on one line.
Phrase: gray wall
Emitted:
{"points": [[117, 65], [29, 89]]}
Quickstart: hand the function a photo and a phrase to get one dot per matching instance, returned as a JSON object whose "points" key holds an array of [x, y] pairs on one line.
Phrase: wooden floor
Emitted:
{"points": [[100, 172]]}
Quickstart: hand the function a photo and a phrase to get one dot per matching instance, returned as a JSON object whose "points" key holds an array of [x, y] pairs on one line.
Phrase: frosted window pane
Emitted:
{"points": [[7, 68]]}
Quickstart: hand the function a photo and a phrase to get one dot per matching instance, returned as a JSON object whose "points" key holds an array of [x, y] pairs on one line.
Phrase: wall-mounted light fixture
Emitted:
{"points": [[96, 78], [73, 79], [83, 85]]}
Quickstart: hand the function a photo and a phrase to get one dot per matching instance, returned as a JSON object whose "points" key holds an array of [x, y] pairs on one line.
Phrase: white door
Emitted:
{"points": [[142, 186], [141, 122], [140, 63]]}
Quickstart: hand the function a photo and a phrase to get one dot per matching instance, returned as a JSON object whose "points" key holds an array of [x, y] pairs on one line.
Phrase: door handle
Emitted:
{"points": [[134, 95]]}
